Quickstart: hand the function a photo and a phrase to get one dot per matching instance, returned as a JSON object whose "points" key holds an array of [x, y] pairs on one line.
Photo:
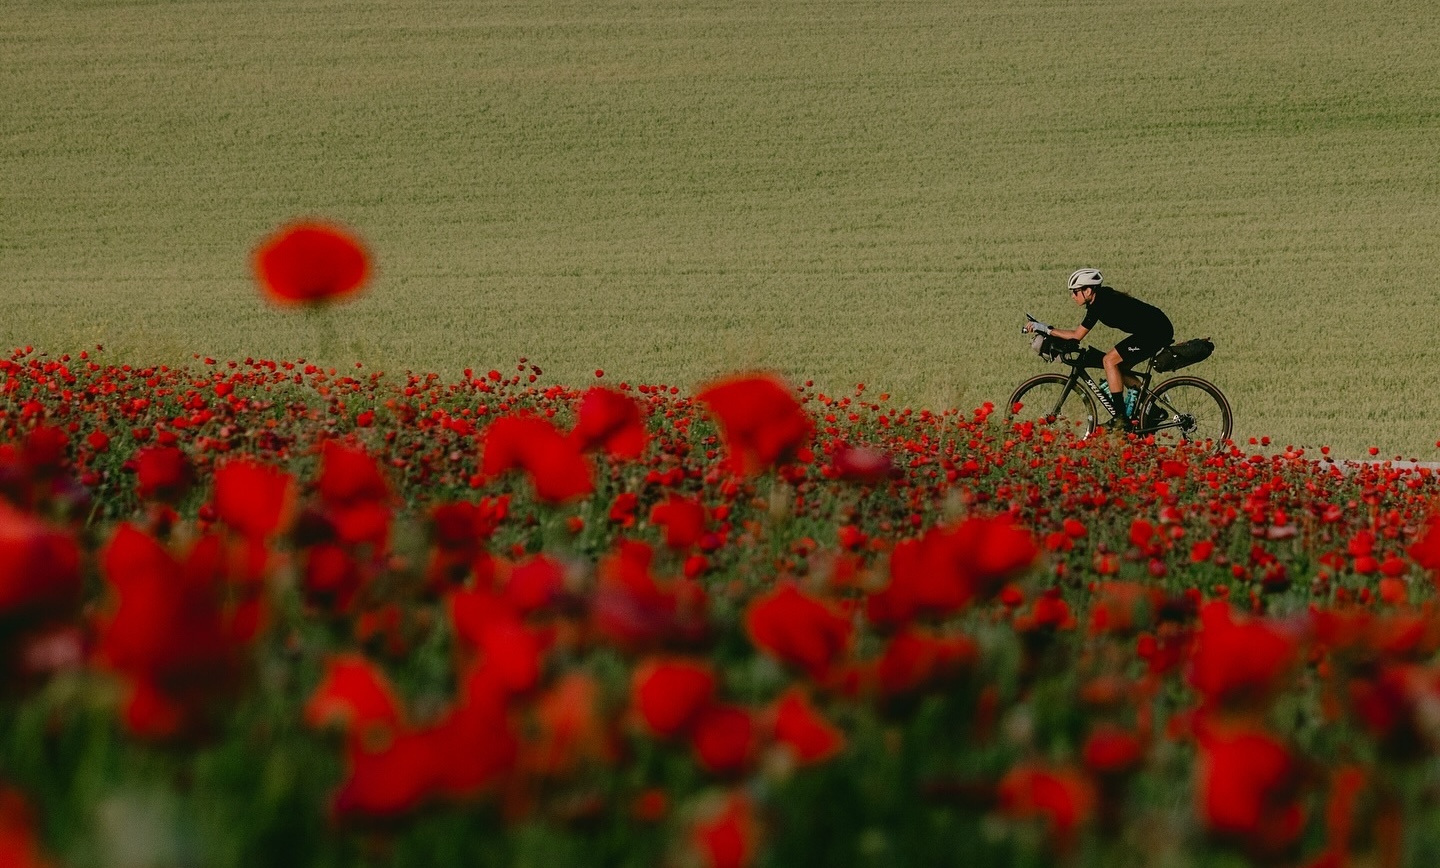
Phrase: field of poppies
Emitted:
{"points": [[258, 612], [267, 613]]}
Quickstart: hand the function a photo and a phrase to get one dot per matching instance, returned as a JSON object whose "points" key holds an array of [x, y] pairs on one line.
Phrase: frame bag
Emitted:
{"points": [[1183, 355]]}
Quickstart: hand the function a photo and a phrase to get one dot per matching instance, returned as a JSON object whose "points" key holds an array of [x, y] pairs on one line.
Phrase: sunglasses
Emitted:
{"points": [[1080, 290]]}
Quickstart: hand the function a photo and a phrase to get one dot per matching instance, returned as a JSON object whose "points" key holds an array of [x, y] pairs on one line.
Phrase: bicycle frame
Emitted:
{"points": [[1102, 397]]}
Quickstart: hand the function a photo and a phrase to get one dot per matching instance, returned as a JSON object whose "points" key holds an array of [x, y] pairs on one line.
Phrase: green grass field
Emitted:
{"points": [[845, 191]]}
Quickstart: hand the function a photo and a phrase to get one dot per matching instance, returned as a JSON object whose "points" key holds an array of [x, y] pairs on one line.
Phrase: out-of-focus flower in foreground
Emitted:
{"points": [[311, 263], [18, 845], [760, 421]]}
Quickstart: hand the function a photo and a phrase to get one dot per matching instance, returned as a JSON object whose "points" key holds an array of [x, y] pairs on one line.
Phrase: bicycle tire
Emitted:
{"points": [[1041, 400], [1194, 411]]}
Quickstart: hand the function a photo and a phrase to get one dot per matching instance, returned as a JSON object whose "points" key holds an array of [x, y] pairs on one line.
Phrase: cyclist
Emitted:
{"points": [[1150, 331]]}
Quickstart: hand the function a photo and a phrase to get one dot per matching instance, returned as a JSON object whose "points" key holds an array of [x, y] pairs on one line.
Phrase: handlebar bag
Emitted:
{"points": [[1184, 354], [1051, 348]]}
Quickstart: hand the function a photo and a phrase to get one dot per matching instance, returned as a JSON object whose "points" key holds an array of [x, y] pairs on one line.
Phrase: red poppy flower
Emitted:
{"points": [[19, 844], [1247, 788], [801, 728], [611, 421], [1064, 798], [556, 468], [670, 694], [171, 634], [798, 629], [474, 746], [865, 464], [683, 519], [162, 473], [44, 449], [311, 263], [534, 584], [724, 738], [349, 475], [332, 578], [463, 526], [511, 652], [1238, 661], [254, 498], [1426, 550], [1113, 751], [355, 694], [388, 780], [947, 568], [727, 837], [1119, 606], [635, 611], [39, 571], [913, 660], [569, 729], [760, 421]]}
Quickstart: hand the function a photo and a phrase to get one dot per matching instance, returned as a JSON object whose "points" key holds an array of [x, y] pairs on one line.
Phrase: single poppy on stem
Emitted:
{"points": [[311, 263]]}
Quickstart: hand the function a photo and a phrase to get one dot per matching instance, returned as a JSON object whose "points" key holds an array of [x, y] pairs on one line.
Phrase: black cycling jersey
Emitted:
{"points": [[1126, 313]]}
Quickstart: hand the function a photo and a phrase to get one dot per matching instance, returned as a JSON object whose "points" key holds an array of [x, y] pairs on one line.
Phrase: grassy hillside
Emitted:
{"points": [[846, 191]]}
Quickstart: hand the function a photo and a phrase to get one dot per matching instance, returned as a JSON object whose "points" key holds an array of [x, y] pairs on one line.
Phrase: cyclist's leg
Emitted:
{"points": [[1137, 348], [1130, 352], [1115, 380]]}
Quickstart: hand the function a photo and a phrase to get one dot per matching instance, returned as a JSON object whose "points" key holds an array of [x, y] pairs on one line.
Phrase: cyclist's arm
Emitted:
{"points": [[1075, 334]]}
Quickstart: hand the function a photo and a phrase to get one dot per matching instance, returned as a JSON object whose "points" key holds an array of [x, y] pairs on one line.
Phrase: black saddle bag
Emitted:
{"points": [[1183, 355]]}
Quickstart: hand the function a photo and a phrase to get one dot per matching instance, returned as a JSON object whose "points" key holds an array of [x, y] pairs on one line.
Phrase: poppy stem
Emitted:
{"points": [[322, 327]]}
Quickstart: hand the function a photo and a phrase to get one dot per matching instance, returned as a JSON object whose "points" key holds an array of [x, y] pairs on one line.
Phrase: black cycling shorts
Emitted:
{"points": [[1137, 348]]}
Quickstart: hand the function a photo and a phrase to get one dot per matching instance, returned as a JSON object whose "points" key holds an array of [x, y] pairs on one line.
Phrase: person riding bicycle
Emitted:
{"points": [[1150, 331]]}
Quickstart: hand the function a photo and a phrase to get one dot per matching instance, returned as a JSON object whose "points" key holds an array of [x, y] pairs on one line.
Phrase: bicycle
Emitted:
{"points": [[1182, 409]]}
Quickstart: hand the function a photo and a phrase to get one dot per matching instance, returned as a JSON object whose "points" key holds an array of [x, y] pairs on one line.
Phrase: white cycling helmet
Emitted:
{"points": [[1084, 277]]}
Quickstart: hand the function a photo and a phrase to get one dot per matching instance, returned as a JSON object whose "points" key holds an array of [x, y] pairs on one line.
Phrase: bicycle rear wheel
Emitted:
{"points": [[1048, 400], [1188, 410]]}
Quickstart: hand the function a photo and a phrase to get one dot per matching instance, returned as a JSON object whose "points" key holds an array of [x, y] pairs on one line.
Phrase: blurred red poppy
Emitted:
{"points": [[534, 584], [311, 263], [162, 473], [1063, 797], [683, 519], [670, 694], [254, 498], [171, 634], [610, 421], [39, 571], [803, 730], [349, 475], [865, 464], [724, 738], [798, 629], [557, 469], [355, 694], [389, 779], [727, 837], [1113, 751], [914, 660], [1239, 661], [947, 568], [760, 421], [1248, 785], [635, 611], [569, 728], [19, 843]]}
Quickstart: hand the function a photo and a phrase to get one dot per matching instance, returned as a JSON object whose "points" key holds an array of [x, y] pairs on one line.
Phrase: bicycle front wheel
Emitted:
{"points": [[1051, 401], [1188, 410]]}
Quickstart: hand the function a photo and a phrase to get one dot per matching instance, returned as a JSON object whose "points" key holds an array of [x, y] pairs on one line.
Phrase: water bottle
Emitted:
{"points": [[1131, 396]]}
